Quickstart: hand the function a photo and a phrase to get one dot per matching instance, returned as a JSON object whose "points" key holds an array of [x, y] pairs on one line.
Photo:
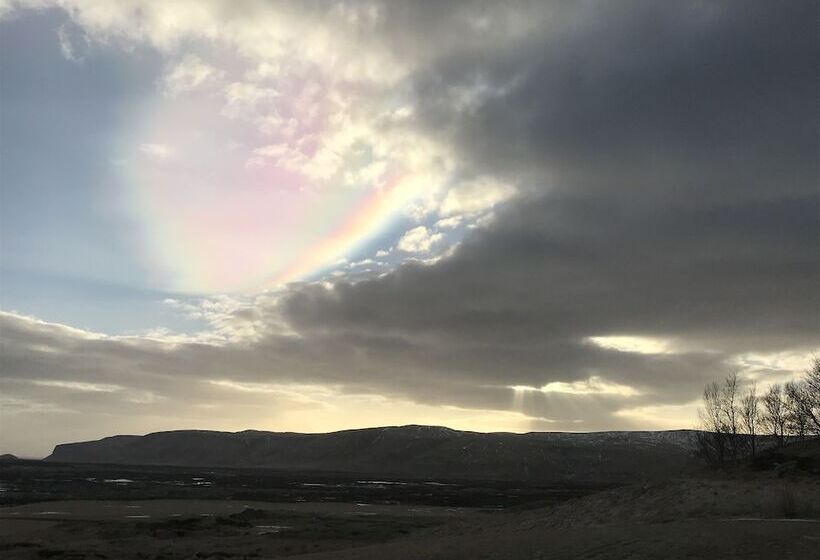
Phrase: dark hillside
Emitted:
{"points": [[408, 451], [795, 455]]}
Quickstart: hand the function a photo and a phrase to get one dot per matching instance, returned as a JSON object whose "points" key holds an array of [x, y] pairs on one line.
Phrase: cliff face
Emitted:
{"points": [[408, 451]]}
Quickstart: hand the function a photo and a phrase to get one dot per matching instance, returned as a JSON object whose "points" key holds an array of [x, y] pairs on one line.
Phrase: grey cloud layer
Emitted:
{"points": [[668, 160], [645, 98], [671, 155]]}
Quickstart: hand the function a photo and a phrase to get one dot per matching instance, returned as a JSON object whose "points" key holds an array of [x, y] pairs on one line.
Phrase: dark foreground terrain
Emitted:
{"points": [[59, 510], [65, 510], [24, 482], [753, 517]]}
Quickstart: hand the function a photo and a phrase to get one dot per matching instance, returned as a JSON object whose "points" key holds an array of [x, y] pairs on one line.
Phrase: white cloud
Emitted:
{"points": [[282, 155], [265, 70], [418, 240], [475, 197], [160, 152], [772, 367], [275, 151], [449, 223], [188, 74], [275, 124], [73, 42], [242, 99], [788, 362], [229, 319]]}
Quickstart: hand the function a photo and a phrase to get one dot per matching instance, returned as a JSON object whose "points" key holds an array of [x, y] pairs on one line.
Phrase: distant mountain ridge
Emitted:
{"points": [[407, 451]]}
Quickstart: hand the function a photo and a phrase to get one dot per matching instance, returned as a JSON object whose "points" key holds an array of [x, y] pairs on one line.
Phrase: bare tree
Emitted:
{"points": [[718, 438], [750, 416], [711, 437], [730, 423], [798, 409], [811, 384], [775, 416], [729, 410], [802, 401]]}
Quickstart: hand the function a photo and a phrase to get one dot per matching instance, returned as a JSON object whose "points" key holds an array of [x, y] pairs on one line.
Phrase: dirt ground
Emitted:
{"points": [[751, 518], [689, 539], [704, 518], [155, 529]]}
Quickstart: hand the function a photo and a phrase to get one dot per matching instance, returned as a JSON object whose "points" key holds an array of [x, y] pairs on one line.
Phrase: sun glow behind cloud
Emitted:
{"points": [[661, 417], [594, 386], [327, 408], [637, 344]]}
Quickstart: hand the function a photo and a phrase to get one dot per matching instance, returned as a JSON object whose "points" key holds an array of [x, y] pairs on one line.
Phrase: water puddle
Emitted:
{"points": [[268, 529]]}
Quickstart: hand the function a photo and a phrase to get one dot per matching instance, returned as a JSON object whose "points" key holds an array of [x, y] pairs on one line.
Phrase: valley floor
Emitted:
{"points": [[751, 517]]}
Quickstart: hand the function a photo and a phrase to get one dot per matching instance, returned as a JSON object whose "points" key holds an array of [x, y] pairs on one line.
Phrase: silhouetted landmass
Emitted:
{"points": [[408, 451], [8, 458]]}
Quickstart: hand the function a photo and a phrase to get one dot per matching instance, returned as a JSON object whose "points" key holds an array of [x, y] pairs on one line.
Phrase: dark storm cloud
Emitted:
{"points": [[645, 98], [671, 157]]}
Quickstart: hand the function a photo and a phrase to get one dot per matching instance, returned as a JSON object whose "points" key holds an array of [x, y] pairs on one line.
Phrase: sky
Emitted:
{"points": [[310, 216]]}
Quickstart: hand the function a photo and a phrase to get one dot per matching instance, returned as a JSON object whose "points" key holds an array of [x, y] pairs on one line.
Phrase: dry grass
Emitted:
{"points": [[783, 501]]}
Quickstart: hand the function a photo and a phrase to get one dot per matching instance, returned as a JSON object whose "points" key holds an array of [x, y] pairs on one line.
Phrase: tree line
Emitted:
{"points": [[732, 419]]}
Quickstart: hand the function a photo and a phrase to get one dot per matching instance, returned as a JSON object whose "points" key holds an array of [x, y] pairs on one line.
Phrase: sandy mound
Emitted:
{"points": [[762, 497]]}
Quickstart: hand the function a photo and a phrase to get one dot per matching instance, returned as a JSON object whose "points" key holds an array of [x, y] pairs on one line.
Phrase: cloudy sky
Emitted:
{"points": [[321, 215]]}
